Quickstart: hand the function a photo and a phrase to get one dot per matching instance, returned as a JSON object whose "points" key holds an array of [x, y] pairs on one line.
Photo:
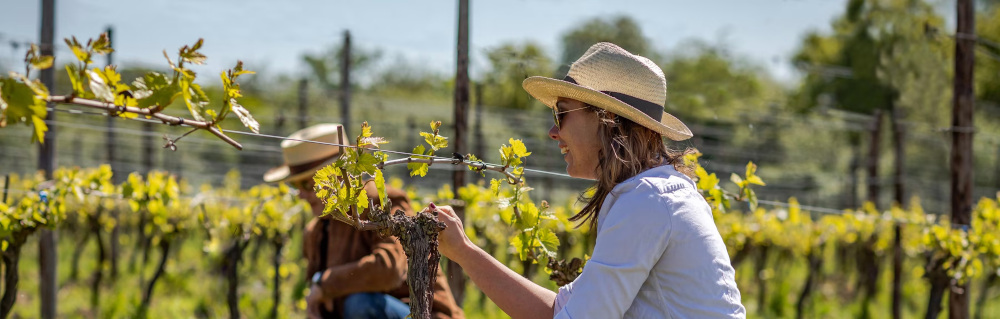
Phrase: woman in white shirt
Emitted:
{"points": [[658, 253]]}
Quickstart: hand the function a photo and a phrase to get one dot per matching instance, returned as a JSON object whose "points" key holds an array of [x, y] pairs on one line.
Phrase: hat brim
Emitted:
{"points": [[549, 90], [284, 174]]}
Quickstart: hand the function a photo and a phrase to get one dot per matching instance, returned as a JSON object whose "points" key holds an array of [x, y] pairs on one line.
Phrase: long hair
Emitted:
{"points": [[627, 149]]}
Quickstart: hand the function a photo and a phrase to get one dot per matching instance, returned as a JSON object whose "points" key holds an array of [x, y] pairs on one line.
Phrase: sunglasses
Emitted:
{"points": [[557, 115]]}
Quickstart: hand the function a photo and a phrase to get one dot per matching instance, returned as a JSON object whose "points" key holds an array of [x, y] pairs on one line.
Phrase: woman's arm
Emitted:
{"points": [[515, 295]]}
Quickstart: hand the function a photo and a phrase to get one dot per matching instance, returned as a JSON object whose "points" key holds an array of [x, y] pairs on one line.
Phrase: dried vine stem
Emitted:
{"points": [[167, 119], [419, 238]]}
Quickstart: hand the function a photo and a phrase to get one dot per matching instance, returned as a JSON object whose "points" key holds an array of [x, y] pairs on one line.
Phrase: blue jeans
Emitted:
{"points": [[374, 305]]}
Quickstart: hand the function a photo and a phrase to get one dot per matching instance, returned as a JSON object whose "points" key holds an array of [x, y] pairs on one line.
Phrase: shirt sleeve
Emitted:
{"points": [[382, 270], [630, 240]]}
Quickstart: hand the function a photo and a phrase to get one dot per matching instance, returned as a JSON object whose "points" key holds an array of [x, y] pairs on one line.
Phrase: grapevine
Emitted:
{"points": [[23, 100]]}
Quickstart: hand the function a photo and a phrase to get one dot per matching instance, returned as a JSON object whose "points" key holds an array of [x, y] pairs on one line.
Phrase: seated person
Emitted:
{"points": [[354, 274]]}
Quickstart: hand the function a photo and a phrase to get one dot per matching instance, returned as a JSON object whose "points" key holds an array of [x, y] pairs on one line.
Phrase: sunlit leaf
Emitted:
{"points": [[100, 89], [549, 241], [380, 186], [518, 148], [191, 55], [42, 62], [244, 116], [38, 134], [418, 169], [82, 54], [155, 89]]}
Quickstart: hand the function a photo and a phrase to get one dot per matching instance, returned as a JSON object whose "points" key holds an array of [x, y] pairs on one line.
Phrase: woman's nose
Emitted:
{"points": [[554, 132]]}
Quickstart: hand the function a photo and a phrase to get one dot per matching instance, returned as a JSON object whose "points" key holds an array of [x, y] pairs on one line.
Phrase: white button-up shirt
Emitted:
{"points": [[658, 255]]}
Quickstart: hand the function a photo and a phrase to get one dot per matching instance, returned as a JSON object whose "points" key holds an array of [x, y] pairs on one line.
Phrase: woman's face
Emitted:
{"points": [[578, 138]]}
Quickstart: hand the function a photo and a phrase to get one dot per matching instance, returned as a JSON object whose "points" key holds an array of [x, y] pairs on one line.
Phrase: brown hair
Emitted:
{"points": [[627, 149]]}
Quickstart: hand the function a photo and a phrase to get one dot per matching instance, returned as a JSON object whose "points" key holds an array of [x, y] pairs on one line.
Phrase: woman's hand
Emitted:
{"points": [[452, 241]]}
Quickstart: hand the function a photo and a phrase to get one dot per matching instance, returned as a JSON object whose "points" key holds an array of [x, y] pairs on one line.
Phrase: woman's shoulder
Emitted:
{"points": [[659, 180]]}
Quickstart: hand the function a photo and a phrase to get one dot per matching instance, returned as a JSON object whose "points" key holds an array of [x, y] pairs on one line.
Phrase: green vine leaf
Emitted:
{"points": [[195, 99], [549, 242], [191, 54], [38, 61], [436, 142], [82, 54], [102, 45], [19, 104], [76, 81], [367, 140], [155, 90], [380, 186], [100, 88], [418, 169]]}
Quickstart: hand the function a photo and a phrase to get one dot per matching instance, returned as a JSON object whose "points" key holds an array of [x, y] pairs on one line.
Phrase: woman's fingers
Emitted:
{"points": [[452, 239]]}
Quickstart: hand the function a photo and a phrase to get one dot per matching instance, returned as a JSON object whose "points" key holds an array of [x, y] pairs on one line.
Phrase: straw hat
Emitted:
{"points": [[303, 159], [611, 78]]}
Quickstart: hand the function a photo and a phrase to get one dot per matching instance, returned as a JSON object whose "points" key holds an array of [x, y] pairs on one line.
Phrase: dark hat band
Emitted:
{"points": [[654, 110]]}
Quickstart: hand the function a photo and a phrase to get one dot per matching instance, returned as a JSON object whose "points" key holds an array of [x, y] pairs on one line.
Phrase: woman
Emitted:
{"points": [[658, 253]]}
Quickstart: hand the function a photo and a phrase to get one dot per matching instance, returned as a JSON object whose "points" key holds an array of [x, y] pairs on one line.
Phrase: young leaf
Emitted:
{"points": [[737, 180], [529, 215], [366, 138], [436, 142], [380, 186], [707, 182], [36, 86], [82, 54], [520, 245], [42, 62], [36, 60], [495, 187], [244, 116], [19, 104], [191, 54], [549, 241], [157, 89], [518, 148], [751, 169], [367, 163], [418, 168], [366, 130], [76, 81], [361, 199], [38, 134], [102, 45], [372, 141], [97, 85]]}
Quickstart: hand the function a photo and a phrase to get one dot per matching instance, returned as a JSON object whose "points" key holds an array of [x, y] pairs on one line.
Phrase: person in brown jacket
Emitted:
{"points": [[354, 274]]}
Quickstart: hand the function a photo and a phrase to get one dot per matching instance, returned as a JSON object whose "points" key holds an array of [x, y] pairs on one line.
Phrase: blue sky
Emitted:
{"points": [[272, 35]]}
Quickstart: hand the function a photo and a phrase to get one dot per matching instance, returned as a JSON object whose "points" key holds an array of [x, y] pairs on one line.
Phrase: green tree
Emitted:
{"points": [[863, 65], [622, 31], [324, 67], [510, 64], [705, 82], [988, 61], [407, 79]]}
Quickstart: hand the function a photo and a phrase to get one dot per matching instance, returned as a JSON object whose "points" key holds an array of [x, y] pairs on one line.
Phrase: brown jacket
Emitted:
{"points": [[363, 261]]}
